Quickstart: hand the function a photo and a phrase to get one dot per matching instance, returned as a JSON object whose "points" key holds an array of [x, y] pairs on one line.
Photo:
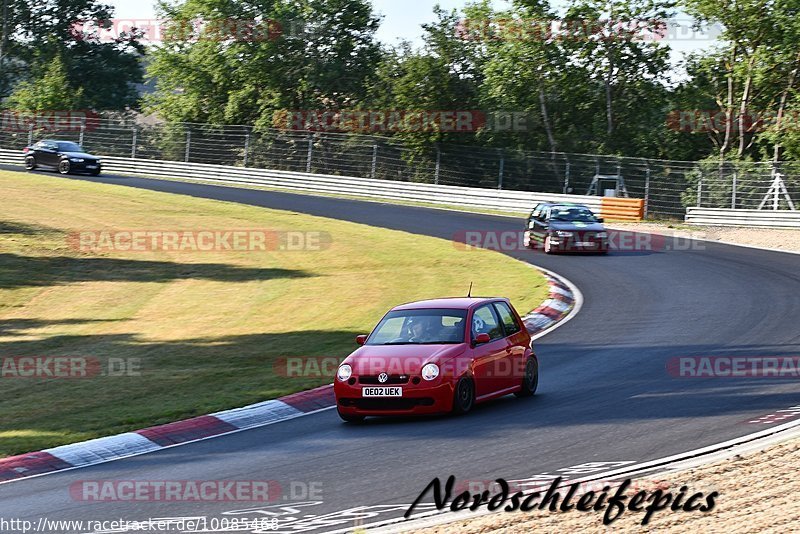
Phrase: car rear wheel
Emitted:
{"points": [[530, 380], [64, 167], [464, 398], [350, 418], [30, 163]]}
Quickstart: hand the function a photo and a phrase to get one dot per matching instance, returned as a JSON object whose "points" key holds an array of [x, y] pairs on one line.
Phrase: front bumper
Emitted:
{"points": [[85, 166], [579, 244], [425, 398]]}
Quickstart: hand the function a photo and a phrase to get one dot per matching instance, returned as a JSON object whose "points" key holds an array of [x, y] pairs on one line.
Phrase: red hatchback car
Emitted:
{"points": [[437, 356]]}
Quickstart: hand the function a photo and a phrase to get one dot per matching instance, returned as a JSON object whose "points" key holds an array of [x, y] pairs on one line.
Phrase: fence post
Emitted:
{"points": [[502, 168], [188, 144], [246, 146], [646, 189], [133, 142], [30, 134], [566, 177], [83, 130], [374, 160], [733, 189], [310, 152], [438, 165], [700, 190]]}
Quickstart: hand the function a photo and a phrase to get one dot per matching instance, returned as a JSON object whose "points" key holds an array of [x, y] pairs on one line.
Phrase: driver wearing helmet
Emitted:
{"points": [[419, 329]]}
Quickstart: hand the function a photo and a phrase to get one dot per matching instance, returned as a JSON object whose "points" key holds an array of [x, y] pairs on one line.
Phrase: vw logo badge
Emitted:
{"points": [[383, 378]]}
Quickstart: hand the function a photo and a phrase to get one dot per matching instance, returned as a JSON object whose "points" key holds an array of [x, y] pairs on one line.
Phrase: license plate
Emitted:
{"points": [[91, 166], [382, 392], [584, 244]]}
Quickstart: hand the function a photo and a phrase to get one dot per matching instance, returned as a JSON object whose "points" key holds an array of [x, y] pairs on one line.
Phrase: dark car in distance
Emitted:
{"points": [[565, 227], [64, 156]]}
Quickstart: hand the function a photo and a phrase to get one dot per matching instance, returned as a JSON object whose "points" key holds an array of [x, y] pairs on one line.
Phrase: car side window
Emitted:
{"points": [[508, 318], [546, 214], [485, 321]]}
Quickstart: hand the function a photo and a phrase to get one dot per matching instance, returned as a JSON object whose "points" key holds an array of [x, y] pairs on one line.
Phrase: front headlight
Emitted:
{"points": [[602, 235], [430, 372], [563, 233], [344, 373], [76, 160]]}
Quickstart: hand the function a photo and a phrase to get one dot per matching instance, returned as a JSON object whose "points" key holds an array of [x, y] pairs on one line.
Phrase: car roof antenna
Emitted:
{"points": [[469, 295]]}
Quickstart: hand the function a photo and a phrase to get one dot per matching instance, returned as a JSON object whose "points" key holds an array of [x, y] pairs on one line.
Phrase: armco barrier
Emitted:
{"points": [[731, 217], [468, 197]]}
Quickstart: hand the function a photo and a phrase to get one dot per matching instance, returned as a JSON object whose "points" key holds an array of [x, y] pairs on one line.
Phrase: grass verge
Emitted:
{"points": [[202, 331]]}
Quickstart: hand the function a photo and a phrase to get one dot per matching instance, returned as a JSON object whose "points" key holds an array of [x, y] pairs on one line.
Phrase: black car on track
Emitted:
{"points": [[565, 227], [64, 156]]}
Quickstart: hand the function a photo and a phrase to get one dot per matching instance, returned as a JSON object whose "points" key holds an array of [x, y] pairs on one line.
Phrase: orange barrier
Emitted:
{"points": [[625, 209]]}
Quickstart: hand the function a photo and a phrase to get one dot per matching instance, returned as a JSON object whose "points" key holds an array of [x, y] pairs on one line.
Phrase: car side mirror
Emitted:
{"points": [[480, 339], [361, 339], [601, 220]]}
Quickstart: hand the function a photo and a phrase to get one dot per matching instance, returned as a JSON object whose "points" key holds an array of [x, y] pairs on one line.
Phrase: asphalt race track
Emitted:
{"points": [[604, 394]]}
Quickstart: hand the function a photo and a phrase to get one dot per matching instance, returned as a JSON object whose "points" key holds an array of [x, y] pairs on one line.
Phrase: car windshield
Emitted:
{"points": [[420, 327], [573, 214], [66, 146]]}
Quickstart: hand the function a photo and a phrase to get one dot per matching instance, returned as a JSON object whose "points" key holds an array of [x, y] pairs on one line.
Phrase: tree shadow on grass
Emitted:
{"points": [[20, 228], [168, 381], [17, 327], [32, 271]]}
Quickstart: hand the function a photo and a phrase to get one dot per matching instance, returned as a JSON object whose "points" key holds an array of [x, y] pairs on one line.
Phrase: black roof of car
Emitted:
{"points": [[568, 204]]}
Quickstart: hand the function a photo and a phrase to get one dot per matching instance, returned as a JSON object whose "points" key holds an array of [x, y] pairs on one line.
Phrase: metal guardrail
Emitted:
{"points": [[517, 202], [731, 217]]}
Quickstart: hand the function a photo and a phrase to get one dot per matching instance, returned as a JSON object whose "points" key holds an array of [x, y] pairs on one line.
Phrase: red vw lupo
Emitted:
{"points": [[437, 356]]}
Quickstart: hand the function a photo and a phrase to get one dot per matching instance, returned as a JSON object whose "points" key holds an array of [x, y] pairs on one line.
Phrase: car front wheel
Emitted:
{"points": [[30, 163], [527, 242], [548, 247], [464, 398], [64, 167]]}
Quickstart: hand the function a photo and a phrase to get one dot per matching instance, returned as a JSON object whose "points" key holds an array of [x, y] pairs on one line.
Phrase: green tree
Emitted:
{"points": [[626, 63], [52, 91], [305, 54], [753, 73], [103, 74]]}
